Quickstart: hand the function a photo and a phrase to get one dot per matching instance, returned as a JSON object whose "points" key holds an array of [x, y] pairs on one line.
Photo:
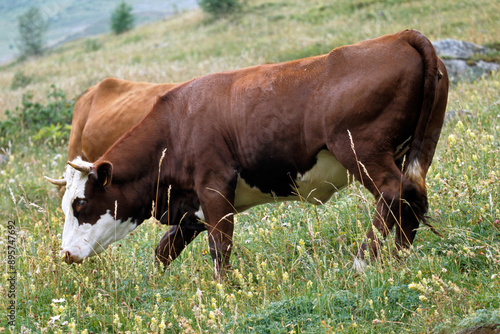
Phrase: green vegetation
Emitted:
{"points": [[20, 80], [122, 19], [292, 263], [220, 7], [37, 120], [32, 28]]}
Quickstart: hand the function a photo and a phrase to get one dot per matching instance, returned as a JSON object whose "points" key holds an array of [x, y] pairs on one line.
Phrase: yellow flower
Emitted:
{"points": [[471, 134]]}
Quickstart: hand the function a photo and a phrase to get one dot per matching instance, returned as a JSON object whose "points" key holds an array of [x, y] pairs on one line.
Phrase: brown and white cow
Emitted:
{"points": [[106, 111], [269, 133]]}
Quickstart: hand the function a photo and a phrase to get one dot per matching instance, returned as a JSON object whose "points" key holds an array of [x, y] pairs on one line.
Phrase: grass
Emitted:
{"points": [[292, 263]]}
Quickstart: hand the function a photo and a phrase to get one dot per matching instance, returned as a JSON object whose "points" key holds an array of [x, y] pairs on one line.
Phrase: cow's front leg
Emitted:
{"points": [[174, 241], [220, 241], [219, 213]]}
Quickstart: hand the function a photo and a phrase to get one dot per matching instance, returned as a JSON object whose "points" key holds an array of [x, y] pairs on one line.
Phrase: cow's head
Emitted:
{"points": [[97, 214]]}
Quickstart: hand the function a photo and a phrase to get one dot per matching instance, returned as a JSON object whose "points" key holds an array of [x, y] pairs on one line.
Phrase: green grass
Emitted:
{"points": [[292, 263]]}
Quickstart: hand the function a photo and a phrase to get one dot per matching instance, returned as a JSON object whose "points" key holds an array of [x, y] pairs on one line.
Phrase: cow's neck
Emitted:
{"points": [[136, 163]]}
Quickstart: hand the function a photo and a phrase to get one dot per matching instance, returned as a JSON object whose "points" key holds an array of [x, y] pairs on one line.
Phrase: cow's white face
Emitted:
{"points": [[83, 238]]}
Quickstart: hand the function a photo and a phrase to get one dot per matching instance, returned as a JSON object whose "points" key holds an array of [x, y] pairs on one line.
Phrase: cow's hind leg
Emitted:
{"points": [[401, 202], [174, 241]]}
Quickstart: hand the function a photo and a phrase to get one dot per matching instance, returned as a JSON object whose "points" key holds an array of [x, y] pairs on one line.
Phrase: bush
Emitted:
{"points": [[20, 80], [122, 19], [219, 7], [40, 121], [92, 45], [32, 28]]}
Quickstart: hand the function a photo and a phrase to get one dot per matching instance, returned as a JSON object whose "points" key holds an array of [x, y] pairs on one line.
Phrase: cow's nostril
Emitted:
{"points": [[68, 258]]}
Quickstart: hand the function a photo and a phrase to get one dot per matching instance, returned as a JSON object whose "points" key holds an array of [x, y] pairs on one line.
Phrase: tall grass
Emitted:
{"points": [[292, 263]]}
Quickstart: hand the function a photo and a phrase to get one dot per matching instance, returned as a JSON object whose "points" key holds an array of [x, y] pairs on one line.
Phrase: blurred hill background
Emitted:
{"points": [[73, 19]]}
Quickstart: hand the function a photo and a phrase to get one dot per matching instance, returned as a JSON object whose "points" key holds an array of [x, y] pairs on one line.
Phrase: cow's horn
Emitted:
{"points": [[83, 169], [57, 182]]}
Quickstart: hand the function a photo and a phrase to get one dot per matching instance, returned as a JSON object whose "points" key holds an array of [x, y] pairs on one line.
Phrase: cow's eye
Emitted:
{"points": [[79, 204]]}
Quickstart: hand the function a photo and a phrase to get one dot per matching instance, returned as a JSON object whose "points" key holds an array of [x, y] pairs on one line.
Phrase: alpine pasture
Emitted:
{"points": [[292, 265]]}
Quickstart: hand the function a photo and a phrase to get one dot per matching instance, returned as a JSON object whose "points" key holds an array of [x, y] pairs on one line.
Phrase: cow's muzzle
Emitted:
{"points": [[70, 258]]}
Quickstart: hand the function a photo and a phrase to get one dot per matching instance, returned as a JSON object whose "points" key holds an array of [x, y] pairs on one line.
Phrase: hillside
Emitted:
{"points": [[292, 263], [189, 45], [72, 19]]}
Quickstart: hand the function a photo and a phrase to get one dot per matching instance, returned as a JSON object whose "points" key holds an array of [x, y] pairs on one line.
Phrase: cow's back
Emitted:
{"points": [[108, 110]]}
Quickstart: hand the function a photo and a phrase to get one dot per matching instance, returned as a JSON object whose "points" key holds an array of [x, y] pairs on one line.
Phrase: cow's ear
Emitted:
{"points": [[104, 173]]}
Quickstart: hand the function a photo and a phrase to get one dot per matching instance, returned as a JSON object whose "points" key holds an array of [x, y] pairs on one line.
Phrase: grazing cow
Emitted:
{"points": [[103, 113], [225, 142]]}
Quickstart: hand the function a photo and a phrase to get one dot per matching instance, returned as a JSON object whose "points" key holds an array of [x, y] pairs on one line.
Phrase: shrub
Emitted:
{"points": [[36, 119], [92, 45], [122, 19], [32, 28], [219, 7], [20, 80]]}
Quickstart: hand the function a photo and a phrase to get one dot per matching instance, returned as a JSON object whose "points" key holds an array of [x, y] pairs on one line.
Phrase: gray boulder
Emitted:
{"points": [[457, 56], [451, 48]]}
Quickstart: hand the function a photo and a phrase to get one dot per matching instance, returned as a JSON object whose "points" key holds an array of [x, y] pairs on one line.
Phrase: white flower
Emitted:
{"points": [[62, 300], [54, 319]]}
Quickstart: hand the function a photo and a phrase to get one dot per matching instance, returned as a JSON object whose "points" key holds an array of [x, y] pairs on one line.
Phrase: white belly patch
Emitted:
{"points": [[315, 186]]}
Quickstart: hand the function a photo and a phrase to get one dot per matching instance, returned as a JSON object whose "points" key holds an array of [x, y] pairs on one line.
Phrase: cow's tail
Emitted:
{"points": [[417, 164]]}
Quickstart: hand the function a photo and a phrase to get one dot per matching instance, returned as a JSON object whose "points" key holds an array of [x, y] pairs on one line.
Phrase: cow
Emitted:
{"points": [[103, 113], [228, 141]]}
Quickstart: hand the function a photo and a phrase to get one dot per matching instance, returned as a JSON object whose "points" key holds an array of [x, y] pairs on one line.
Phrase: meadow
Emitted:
{"points": [[292, 265]]}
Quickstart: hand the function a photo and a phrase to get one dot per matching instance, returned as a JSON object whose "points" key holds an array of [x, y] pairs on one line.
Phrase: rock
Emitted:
{"points": [[455, 54], [450, 48], [457, 68], [487, 67]]}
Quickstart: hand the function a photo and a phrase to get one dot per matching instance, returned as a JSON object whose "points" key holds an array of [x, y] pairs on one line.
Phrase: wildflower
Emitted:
{"points": [[460, 125], [72, 326], [416, 286], [54, 319], [154, 322], [62, 300], [116, 320], [452, 139], [285, 277], [422, 298]]}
